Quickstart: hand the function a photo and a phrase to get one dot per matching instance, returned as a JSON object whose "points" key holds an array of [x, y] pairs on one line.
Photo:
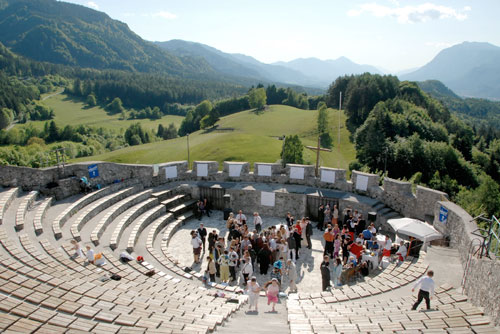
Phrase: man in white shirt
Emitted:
{"points": [[241, 218], [196, 243], [257, 221], [426, 291], [90, 254]]}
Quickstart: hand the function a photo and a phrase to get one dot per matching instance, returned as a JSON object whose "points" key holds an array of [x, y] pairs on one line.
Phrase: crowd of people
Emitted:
{"points": [[245, 251]]}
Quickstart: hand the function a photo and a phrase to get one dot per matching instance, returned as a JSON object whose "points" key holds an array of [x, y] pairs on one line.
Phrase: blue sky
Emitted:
{"points": [[390, 34]]}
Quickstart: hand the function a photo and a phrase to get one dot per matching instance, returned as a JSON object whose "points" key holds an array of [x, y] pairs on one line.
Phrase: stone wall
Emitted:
{"points": [[482, 275]]}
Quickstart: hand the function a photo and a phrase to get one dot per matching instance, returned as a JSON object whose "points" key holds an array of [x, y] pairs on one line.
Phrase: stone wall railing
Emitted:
{"points": [[63, 182], [482, 280]]}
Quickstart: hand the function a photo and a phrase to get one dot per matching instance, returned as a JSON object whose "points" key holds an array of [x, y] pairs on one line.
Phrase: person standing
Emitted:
{"points": [[309, 233], [241, 218], [321, 217], [211, 269], [264, 259], [212, 239], [335, 215], [257, 222], [233, 261], [202, 234], [196, 243], [246, 270], [224, 267], [291, 246], [328, 236], [325, 272], [327, 215], [253, 291], [298, 239], [291, 271], [426, 291], [337, 272]]}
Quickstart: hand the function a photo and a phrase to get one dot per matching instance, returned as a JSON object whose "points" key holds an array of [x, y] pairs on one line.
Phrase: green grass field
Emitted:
{"points": [[70, 111], [244, 136]]}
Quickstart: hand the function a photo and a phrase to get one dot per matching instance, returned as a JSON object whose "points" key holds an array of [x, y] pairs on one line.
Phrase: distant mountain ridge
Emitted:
{"points": [[471, 69], [305, 72], [325, 70]]}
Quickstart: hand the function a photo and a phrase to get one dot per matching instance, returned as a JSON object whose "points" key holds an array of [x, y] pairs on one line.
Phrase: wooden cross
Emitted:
{"points": [[317, 149]]}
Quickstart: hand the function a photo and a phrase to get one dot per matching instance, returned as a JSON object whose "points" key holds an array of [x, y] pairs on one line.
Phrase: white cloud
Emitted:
{"points": [[164, 15], [93, 5], [412, 14]]}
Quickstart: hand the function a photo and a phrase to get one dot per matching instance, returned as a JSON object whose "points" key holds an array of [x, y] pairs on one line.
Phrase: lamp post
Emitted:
{"points": [[188, 147]]}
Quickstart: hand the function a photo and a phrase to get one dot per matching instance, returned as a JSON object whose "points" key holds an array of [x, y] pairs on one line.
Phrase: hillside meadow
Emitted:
{"points": [[74, 112], [244, 136]]}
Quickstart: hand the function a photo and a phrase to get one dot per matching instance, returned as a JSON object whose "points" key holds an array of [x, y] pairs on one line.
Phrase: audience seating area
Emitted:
{"points": [[450, 313], [46, 288]]}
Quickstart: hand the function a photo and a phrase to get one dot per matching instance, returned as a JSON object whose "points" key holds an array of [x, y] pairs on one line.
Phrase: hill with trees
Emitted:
{"points": [[69, 34], [402, 132]]}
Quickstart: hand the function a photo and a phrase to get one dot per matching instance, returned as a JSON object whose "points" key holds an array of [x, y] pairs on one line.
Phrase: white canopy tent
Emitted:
{"points": [[415, 228]]}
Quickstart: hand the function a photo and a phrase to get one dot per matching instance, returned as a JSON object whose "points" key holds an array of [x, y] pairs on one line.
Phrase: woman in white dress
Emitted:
{"points": [[253, 290]]}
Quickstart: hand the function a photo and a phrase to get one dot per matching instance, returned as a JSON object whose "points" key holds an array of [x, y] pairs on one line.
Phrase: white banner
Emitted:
{"points": [[171, 172], [267, 198], [156, 169], [362, 182], [235, 170], [327, 176], [264, 170], [297, 173], [201, 169]]}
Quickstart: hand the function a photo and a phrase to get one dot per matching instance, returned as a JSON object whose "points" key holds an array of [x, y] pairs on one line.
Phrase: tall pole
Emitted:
{"points": [[188, 147], [340, 112], [317, 158]]}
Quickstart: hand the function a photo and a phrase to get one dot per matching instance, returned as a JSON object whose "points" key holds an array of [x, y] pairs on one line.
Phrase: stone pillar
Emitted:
{"points": [[299, 174], [205, 170], [235, 171]]}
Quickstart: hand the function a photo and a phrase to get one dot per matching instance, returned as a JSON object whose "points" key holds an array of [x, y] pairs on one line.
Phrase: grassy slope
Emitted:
{"points": [[70, 111], [244, 136]]}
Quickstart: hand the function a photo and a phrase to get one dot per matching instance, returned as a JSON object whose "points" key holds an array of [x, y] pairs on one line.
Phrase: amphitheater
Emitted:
{"points": [[146, 210]]}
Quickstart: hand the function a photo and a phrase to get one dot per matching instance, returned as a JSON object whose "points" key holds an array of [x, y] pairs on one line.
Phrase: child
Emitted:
{"points": [[272, 289]]}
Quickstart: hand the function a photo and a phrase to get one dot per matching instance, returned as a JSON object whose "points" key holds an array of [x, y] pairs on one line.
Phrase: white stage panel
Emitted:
{"points": [[362, 182], [201, 169], [235, 170], [297, 173], [264, 170], [267, 198], [327, 176], [171, 172]]}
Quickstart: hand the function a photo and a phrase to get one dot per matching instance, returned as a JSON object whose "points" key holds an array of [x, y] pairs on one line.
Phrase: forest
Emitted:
{"points": [[401, 132]]}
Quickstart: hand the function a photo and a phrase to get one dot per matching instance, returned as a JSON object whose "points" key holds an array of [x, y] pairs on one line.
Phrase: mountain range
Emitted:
{"points": [[470, 69], [64, 33]]}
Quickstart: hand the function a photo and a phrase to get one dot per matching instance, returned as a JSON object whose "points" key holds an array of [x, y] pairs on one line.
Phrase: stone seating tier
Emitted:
{"points": [[90, 211], [130, 216], [451, 314], [6, 198], [115, 211], [40, 214], [82, 202], [23, 208]]}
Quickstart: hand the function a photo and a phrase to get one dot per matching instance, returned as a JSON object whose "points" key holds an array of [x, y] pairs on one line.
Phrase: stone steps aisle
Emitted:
{"points": [[263, 322]]}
